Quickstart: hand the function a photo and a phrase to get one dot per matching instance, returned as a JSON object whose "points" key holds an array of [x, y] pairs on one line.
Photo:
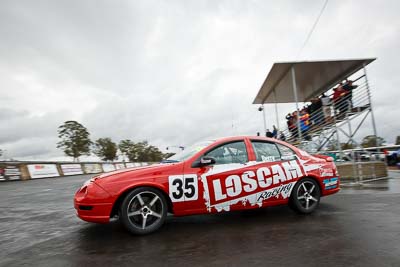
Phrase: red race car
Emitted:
{"points": [[233, 173]]}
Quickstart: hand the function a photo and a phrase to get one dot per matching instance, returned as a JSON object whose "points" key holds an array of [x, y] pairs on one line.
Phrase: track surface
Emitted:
{"points": [[357, 227]]}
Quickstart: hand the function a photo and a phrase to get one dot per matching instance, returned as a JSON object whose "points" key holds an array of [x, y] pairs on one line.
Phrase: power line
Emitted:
{"points": [[313, 28]]}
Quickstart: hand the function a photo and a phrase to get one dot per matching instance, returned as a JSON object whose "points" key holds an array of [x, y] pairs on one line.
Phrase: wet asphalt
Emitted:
{"points": [[360, 226]]}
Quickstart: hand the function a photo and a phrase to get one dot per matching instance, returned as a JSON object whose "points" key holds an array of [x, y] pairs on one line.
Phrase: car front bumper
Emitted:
{"points": [[93, 204]]}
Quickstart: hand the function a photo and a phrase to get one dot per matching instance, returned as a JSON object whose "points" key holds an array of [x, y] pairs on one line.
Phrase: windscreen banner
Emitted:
{"points": [[119, 166], [42, 170], [92, 168], [71, 169], [108, 167], [9, 173], [130, 164]]}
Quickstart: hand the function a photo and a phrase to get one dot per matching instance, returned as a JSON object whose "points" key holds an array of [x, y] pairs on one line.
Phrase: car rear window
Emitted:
{"points": [[286, 152]]}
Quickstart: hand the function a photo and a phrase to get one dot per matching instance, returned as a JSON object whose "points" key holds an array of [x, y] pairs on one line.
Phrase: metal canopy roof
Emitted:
{"points": [[312, 79]]}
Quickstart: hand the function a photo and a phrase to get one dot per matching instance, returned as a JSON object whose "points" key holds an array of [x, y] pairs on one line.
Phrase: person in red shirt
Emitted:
{"points": [[340, 100], [338, 92]]}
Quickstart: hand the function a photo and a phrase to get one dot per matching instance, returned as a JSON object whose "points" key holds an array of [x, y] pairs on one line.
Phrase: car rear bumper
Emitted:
{"points": [[331, 191], [330, 185]]}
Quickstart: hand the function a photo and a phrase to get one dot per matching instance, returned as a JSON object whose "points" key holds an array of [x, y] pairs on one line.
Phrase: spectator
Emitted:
{"points": [[337, 92], [319, 111], [338, 97], [289, 122], [275, 132], [349, 87], [326, 107], [269, 134], [293, 128], [304, 123], [315, 111], [282, 136]]}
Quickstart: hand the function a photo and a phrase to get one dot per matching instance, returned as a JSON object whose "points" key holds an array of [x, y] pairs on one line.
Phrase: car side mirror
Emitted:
{"points": [[204, 161]]}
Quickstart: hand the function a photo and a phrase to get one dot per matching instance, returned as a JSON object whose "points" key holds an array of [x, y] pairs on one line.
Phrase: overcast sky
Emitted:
{"points": [[173, 72]]}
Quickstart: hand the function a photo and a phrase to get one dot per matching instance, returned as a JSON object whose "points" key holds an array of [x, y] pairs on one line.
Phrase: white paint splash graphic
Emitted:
{"points": [[257, 198], [283, 190], [309, 167], [217, 169]]}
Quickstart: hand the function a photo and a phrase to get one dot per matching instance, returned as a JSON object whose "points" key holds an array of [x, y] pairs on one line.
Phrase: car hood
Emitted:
{"points": [[133, 173], [130, 170]]}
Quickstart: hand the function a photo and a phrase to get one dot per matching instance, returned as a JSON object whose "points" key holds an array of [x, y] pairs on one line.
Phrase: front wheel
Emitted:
{"points": [[305, 196], [143, 210]]}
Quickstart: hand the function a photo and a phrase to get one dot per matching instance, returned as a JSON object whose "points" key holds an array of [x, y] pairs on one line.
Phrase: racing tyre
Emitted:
{"points": [[305, 196], [143, 210]]}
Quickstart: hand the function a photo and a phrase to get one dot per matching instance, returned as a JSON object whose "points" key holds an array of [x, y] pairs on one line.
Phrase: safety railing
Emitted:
{"points": [[332, 115]]}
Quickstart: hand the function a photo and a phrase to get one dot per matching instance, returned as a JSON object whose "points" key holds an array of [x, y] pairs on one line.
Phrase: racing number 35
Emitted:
{"points": [[183, 187]]}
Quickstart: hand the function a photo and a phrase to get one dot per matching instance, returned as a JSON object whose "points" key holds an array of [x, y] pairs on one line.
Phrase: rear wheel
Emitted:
{"points": [[305, 196], [143, 210]]}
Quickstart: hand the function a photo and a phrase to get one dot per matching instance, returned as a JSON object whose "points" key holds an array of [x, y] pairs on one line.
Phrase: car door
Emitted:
{"points": [[220, 183], [276, 170]]}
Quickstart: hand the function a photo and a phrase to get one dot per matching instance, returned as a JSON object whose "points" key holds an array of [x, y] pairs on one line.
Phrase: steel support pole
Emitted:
{"points": [[337, 132], [349, 125], [351, 140], [276, 111], [338, 143], [370, 106], [297, 102], [265, 122]]}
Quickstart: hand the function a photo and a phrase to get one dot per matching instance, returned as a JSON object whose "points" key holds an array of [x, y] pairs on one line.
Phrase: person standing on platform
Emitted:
{"points": [[275, 132], [349, 87], [326, 107], [338, 99], [304, 124], [282, 136]]}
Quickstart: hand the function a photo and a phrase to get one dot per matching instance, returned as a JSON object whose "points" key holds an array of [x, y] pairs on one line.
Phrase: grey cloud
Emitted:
{"points": [[31, 148], [173, 72], [9, 114], [20, 125]]}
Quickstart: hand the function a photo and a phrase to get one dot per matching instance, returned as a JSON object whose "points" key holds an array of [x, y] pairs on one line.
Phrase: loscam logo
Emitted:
{"points": [[248, 182]]}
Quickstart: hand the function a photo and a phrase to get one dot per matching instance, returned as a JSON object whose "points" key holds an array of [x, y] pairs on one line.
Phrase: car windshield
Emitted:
{"points": [[188, 152]]}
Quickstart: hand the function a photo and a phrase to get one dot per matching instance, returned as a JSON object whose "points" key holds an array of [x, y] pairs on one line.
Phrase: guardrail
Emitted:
{"points": [[21, 171]]}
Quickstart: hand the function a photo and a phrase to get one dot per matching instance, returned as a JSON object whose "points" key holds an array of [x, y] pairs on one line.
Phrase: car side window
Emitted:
{"points": [[234, 152], [286, 153], [266, 151]]}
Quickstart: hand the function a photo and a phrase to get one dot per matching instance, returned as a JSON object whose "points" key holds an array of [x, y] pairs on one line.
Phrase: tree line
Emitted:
{"points": [[75, 142]]}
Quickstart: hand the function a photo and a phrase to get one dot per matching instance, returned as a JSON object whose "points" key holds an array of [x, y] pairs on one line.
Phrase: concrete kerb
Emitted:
{"points": [[362, 183]]}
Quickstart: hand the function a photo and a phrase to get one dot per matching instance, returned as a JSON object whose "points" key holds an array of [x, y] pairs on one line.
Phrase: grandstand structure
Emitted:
{"points": [[300, 82]]}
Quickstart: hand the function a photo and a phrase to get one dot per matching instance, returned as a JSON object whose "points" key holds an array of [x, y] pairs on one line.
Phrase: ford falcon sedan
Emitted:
{"points": [[233, 173]]}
